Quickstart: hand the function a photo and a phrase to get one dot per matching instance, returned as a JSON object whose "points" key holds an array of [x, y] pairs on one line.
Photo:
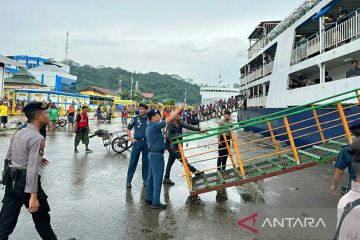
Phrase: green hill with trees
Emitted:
{"points": [[168, 88]]}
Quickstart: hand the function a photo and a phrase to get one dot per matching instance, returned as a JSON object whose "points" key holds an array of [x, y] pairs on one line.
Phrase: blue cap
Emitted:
{"points": [[354, 125], [152, 113]]}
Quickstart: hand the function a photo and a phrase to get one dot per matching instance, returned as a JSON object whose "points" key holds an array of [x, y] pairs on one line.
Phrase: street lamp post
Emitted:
{"points": [[2, 81], [131, 87]]}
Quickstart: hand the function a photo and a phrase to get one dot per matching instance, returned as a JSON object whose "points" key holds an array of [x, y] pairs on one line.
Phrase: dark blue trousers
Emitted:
{"points": [[173, 155], [154, 181], [138, 147]]}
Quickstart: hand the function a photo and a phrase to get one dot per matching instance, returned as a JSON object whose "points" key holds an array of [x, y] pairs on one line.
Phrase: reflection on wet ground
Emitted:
{"points": [[89, 200]]}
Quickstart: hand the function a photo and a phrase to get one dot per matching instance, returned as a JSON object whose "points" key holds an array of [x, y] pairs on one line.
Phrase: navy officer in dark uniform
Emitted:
{"points": [[156, 144], [138, 140], [344, 161], [22, 179]]}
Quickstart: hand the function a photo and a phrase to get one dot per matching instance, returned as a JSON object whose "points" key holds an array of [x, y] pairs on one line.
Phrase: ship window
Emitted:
{"points": [[304, 78]]}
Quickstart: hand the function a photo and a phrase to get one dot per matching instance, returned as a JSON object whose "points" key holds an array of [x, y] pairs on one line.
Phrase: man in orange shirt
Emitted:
{"points": [[70, 116]]}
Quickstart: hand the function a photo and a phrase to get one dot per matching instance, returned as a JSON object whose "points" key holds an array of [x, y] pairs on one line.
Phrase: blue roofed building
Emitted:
{"points": [[29, 61], [53, 74]]}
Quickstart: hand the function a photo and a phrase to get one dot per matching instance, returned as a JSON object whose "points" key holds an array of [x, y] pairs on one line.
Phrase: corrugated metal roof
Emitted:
{"points": [[148, 95], [23, 77], [49, 68], [22, 80], [9, 61], [100, 90]]}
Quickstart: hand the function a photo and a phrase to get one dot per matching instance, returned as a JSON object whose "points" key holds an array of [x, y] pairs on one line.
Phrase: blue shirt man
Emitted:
{"points": [[156, 144], [344, 160], [138, 123]]}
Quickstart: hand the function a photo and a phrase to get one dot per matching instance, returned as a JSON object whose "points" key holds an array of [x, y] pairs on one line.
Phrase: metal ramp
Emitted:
{"points": [[341, 110], [259, 170]]}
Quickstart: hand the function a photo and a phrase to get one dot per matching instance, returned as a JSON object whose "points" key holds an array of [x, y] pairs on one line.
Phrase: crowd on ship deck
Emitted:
{"points": [[302, 80], [336, 38]]}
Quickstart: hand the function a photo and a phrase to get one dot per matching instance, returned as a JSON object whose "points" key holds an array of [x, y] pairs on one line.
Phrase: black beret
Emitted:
{"points": [[227, 112], [35, 106], [144, 105], [152, 113]]}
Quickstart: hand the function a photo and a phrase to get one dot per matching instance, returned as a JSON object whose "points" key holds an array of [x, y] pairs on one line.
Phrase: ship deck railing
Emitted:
{"points": [[274, 151], [260, 72], [262, 42], [257, 101], [333, 36]]}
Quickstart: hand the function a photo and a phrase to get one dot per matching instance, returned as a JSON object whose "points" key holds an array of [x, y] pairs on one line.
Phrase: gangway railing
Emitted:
{"points": [[325, 121]]}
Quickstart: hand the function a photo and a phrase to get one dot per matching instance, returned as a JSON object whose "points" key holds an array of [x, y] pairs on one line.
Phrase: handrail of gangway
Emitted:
{"points": [[265, 118]]}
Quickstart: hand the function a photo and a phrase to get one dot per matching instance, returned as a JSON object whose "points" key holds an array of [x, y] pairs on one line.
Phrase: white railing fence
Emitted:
{"points": [[268, 68], [333, 37], [257, 46], [305, 50], [342, 32], [260, 72], [257, 101]]}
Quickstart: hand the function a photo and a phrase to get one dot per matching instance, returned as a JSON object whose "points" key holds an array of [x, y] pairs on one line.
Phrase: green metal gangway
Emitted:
{"points": [[317, 118]]}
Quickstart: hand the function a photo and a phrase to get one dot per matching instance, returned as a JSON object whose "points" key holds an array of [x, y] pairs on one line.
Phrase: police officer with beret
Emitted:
{"points": [[155, 142], [138, 140], [22, 179], [344, 161]]}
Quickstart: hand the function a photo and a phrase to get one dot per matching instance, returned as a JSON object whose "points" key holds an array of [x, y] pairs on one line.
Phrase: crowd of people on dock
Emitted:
{"points": [[212, 110]]}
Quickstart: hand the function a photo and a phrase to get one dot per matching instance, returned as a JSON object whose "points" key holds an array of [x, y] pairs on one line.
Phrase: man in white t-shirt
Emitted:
{"points": [[350, 226]]}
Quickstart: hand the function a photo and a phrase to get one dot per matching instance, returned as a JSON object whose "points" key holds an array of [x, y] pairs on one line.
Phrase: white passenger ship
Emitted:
{"points": [[303, 58], [211, 94]]}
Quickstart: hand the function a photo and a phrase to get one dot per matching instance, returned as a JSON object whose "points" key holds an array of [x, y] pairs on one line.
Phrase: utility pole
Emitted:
{"points": [[2, 77], [131, 87], [67, 46], [119, 89], [136, 86]]}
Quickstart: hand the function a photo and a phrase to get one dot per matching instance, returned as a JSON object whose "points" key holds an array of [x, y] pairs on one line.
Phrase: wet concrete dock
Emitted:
{"points": [[88, 199]]}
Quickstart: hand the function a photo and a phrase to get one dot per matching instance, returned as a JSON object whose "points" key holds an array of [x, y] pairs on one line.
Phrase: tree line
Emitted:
{"points": [[164, 86]]}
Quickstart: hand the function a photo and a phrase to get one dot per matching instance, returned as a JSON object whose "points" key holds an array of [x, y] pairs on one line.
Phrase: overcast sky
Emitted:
{"points": [[197, 39]]}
